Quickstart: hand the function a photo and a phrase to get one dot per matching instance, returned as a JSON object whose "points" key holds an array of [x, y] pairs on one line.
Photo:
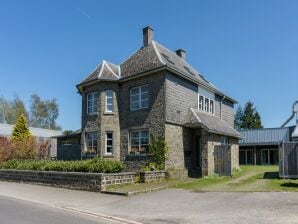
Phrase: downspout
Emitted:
{"points": [[221, 106]]}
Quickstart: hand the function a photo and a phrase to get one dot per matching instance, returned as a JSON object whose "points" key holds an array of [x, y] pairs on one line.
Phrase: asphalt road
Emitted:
{"points": [[14, 211]]}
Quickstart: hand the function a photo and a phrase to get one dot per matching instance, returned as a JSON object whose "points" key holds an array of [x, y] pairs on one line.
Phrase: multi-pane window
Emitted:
{"points": [[91, 141], [92, 102], [66, 142], [201, 102], [206, 104], [224, 140], [139, 141], [139, 97], [109, 143], [109, 101]]}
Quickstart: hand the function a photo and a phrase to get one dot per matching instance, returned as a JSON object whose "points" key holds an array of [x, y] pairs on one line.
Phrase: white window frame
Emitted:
{"points": [[139, 98], [109, 95], [139, 139], [201, 105], [106, 143], [206, 107], [92, 103]]}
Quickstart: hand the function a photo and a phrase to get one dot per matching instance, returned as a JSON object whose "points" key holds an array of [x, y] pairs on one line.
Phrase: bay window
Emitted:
{"points": [[92, 99]]}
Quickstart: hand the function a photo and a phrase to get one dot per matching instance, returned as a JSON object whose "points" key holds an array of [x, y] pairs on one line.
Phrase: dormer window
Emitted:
{"points": [[92, 106]]}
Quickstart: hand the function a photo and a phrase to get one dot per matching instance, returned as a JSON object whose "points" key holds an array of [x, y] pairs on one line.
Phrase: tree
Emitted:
{"points": [[10, 111], [247, 118], [44, 113], [238, 117], [21, 130]]}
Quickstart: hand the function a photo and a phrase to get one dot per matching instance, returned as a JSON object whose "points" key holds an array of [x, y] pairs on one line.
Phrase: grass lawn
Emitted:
{"points": [[249, 179]]}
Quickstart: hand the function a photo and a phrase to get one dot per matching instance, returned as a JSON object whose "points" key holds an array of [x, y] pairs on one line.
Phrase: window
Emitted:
{"points": [[224, 140], [91, 140], [109, 143], [211, 111], [109, 101], [66, 142], [139, 98], [206, 105], [92, 102], [139, 141], [201, 102]]}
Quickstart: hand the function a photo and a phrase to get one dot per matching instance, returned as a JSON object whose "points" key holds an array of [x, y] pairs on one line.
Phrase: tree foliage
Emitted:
{"points": [[21, 130], [11, 110], [44, 113], [158, 150], [247, 117]]}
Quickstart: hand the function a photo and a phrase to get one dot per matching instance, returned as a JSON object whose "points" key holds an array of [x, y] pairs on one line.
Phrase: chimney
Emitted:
{"points": [[181, 53], [147, 36]]}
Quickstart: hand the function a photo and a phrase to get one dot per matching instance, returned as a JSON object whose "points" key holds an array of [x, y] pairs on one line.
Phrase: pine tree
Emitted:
{"points": [[238, 118], [250, 118], [21, 130]]}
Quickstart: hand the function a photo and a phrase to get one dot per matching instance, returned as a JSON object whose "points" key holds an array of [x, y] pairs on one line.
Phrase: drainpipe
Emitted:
{"points": [[221, 106]]}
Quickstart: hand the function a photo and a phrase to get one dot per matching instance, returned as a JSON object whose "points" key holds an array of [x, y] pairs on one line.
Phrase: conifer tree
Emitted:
{"points": [[21, 130]]}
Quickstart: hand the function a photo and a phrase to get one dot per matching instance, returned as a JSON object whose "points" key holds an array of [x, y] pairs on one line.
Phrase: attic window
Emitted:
{"points": [[168, 59], [189, 71]]}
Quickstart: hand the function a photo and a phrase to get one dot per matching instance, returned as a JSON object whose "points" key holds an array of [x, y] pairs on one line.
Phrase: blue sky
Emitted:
{"points": [[249, 49]]}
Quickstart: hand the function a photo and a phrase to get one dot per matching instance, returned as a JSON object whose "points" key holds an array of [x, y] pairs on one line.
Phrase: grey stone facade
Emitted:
{"points": [[174, 89]]}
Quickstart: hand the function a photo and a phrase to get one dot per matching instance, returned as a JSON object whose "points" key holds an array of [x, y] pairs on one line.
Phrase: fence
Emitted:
{"points": [[288, 160], [222, 160]]}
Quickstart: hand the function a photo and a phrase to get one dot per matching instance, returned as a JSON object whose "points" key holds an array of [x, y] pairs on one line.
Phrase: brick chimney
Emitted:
{"points": [[147, 35], [181, 53]]}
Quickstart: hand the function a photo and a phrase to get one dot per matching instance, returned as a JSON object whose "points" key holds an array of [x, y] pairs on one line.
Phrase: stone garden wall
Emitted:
{"points": [[79, 181]]}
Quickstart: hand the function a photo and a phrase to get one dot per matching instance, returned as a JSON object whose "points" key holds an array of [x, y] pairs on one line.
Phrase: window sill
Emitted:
{"points": [[108, 156], [109, 113], [141, 109], [92, 114]]}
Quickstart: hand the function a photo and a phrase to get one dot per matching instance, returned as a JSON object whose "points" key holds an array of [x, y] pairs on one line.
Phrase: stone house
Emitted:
{"points": [[155, 92]]}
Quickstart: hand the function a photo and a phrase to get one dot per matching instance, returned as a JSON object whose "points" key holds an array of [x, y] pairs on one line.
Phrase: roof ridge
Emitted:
{"points": [[157, 53], [111, 70]]}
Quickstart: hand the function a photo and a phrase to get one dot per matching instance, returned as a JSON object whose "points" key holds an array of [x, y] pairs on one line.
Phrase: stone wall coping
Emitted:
{"points": [[156, 171], [69, 173]]}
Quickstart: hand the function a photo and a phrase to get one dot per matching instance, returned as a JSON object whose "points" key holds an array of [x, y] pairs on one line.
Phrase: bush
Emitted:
{"points": [[158, 151], [96, 165], [17, 149]]}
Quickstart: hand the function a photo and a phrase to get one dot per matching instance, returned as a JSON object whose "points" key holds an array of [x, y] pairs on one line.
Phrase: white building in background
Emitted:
{"points": [[41, 135]]}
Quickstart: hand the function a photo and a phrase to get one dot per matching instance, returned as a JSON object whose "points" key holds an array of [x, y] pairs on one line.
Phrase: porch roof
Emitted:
{"points": [[211, 123]]}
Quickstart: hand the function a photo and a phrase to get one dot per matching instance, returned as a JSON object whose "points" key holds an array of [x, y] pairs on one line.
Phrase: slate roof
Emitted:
{"points": [[211, 123], [6, 130], [148, 58], [104, 71]]}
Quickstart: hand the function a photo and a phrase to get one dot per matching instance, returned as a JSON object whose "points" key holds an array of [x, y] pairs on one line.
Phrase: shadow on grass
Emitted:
{"points": [[271, 175], [289, 184]]}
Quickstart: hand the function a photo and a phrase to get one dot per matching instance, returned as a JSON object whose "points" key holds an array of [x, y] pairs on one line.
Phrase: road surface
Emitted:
{"points": [[14, 211]]}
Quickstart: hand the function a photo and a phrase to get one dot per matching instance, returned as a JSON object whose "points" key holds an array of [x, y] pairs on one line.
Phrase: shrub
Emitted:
{"points": [[96, 165], [158, 150]]}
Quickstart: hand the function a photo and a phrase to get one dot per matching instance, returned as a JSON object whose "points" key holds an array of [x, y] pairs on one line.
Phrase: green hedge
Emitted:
{"points": [[95, 165]]}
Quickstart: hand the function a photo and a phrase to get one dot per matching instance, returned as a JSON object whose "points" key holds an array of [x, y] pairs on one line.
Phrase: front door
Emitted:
{"points": [[197, 157]]}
